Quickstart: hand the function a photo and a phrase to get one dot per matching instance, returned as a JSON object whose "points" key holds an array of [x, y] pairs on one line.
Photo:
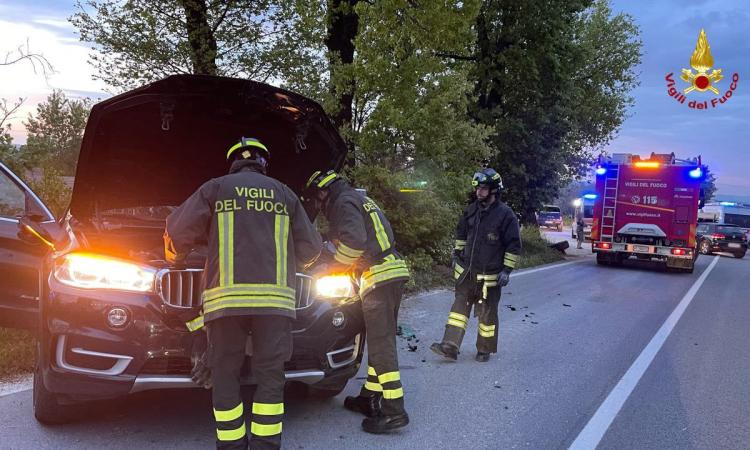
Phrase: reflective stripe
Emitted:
{"points": [[457, 270], [282, 237], [230, 247], [460, 244], [490, 276], [259, 429], [486, 334], [486, 327], [458, 316], [268, 409], [195, 324], [392, 394], [249, 289], [380, 231], [229, 415], [222, 248], [325, 180], [231, 435], [245, 302], [457, 323], [246, 143], [388, 377], [344, 259], [348, 251], [487, 331], [371, 371], [374, 387], [512, 256], [511, 260]]}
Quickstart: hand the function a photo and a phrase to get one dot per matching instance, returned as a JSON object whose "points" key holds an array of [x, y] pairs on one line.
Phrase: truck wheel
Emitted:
{"points": [[705, 247], [602, 259], [324, 393], [47, 408]]}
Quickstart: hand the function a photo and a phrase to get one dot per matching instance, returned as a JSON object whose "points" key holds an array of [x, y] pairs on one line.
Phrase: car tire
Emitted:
{"points": [[315, 392], [705, 247], [740, 255], [47, 408]]}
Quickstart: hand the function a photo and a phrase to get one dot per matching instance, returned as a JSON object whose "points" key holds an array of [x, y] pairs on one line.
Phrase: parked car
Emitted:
{"points": [[721, 237], [550, 217], [109, 310]]}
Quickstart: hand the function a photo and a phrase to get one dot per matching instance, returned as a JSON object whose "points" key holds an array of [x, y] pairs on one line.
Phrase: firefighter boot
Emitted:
{"points": [[383, 424], [482, 357], [445, 350], [367, 405]]}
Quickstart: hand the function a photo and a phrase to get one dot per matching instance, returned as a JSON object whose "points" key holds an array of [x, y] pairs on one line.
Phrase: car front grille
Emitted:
{"points": [[183, 288]]}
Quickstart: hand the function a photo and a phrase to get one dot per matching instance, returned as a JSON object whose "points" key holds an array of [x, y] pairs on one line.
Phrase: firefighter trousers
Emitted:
{"points": [[485, 298], [380, 307], [272, 343]]}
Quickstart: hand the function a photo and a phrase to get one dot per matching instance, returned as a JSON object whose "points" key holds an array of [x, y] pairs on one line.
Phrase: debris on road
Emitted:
{"points": [[406, 331], [535, 323], [565, 304]]}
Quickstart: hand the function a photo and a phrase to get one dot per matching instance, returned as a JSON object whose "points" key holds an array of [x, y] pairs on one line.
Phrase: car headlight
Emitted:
{"points": [[89, 271], [334, 286]]}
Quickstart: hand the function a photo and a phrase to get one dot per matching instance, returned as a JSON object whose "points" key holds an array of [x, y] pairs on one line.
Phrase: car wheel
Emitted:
{"points": [[47, 408], [324, 393], [740, 254], [705, 247]]}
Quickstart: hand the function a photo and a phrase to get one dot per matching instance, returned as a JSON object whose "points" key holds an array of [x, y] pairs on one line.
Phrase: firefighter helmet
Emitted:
{"points": [[488, 178], [249, 148], [321, 180]]}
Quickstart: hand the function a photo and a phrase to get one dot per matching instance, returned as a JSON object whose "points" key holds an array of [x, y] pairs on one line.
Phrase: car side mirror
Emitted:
{"points": [[31, 232]]}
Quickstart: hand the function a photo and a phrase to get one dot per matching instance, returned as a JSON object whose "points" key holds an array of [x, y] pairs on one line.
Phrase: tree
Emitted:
{"points": [[552, 80], [708, 185], [139, 41], [55, 133]]}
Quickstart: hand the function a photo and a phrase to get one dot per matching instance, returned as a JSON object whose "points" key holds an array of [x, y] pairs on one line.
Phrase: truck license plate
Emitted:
{"points": [[734, 245], [641, 248]]}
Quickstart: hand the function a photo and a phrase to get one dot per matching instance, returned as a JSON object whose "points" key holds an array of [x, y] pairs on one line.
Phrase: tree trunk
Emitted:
{"points": [[201, 37], [343, 26]]}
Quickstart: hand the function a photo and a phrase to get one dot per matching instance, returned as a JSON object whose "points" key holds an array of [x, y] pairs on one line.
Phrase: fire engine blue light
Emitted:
{"points": [[590, 196], [601, 170], [728, 203], [696, 173]]}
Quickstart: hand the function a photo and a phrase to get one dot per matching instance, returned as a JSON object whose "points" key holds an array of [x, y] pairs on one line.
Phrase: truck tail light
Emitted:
{"points": [[679, 251], [718, 236], [603, 245]]}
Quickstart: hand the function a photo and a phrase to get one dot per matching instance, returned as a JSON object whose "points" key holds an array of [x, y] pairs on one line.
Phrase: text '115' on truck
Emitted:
{"points": [[648, 209]]}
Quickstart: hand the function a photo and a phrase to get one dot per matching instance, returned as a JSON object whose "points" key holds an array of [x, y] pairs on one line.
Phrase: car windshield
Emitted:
{"points": [[727, 229], [551, 209]]}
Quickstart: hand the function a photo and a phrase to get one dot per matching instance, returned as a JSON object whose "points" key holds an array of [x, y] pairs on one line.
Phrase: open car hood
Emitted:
{"points": [[157, 144]]}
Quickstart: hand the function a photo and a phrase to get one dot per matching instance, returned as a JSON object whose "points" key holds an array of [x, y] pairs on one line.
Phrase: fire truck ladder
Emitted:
{"points": [[609, 204]]}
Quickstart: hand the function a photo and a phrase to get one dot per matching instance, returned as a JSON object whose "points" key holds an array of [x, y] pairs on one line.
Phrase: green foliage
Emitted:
{"points": [[51, 189], [536, 250], [709, 185], [55, 133], [140, 41], [552, 80]]}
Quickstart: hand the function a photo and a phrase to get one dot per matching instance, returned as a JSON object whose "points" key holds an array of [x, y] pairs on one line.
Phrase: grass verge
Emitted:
{"points": [[16, 353]]}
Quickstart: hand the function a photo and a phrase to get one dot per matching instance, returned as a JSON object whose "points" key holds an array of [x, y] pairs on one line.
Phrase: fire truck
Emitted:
{"points": [[647, 208]]}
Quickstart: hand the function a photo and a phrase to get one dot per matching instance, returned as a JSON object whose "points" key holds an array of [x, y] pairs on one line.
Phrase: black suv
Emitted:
{"points": [[109, 310], [721, 237]]}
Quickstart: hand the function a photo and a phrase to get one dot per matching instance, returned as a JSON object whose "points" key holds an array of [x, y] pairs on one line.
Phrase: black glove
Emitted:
{"points": [[201, 373], [504, 278]]}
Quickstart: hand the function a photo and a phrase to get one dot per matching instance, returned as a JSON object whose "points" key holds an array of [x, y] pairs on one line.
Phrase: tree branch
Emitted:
{"points": [[454, 56], [35, 59]]}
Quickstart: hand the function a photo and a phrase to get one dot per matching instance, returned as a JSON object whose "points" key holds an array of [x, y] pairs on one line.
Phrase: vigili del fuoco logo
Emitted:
{"points": [[702, 78]]}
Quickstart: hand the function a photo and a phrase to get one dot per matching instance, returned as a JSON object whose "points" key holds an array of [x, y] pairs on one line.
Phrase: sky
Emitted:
{"points": [[656, 123]]}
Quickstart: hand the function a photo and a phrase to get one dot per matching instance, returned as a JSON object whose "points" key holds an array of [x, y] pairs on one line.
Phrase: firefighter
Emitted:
{"points": [[487, 249], [365, 248], [579, 229], [257, 233]]}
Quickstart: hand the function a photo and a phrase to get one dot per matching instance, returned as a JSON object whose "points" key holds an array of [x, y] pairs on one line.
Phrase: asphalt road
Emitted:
{"points": [[568, 335]]}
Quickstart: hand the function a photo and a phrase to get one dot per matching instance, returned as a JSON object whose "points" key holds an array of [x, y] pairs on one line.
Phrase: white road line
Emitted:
{"points": [[551, 266], [16, 386], [593, 432]]}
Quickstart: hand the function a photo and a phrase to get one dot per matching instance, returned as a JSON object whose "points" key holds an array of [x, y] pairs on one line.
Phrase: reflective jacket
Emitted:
{"points": [[363, 238], [257, 234], [487, 240]]}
